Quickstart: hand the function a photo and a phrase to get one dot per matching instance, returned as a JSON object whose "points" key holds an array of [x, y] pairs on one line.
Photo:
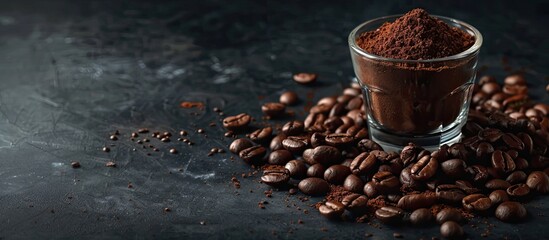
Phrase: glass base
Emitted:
{"points": [[394, 142]]}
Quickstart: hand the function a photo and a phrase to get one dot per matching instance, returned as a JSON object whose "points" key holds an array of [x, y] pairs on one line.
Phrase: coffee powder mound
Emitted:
{"points": [[415, 36], [337, 193]]}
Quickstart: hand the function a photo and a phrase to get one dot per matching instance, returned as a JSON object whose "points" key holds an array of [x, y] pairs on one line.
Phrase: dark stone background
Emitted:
{"points": [[71, 72]]}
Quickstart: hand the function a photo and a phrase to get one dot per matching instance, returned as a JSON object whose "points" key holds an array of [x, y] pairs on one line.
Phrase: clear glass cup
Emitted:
{"points": [[421, 101]]}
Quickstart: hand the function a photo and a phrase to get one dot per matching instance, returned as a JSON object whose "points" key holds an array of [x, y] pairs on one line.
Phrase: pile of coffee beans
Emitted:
{"points": [[501, 162]]}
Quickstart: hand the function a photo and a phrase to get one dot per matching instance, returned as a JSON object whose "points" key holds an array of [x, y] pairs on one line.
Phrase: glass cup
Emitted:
{"points": [[421, 101]]}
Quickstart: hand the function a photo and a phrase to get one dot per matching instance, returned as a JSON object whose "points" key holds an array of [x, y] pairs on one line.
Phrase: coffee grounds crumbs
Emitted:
{"points": [[415, 36]]}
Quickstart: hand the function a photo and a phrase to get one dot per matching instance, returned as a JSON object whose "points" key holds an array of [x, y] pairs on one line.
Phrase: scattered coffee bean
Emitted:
{"points": [[280, 157], [511, 212], [538, 181], [477, 202], [238, 122], [498, 196], [113, 137], [355, 202], [110, 164], [449, 214], [385, 182], [305, 78], [261, 135], [331, 209], [293, 128], [451, 230], [276, 177], [297, 169], [106, 149], [289, 98], [273, 109], [253, 154], [421, 217], [173, 151], [336, 174], [316, 170], [363, 163], [353, 183], [313, 186], [240, 144], [75, 164], [418, 200], [143, 130], [389, 215]]}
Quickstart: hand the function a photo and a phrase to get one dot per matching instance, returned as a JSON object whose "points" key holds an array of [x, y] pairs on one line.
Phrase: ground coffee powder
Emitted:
{"points": [[415, 36]]}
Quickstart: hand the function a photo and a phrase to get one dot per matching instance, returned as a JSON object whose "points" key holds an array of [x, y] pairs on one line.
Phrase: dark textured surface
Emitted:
{"points": [[72, 73]]}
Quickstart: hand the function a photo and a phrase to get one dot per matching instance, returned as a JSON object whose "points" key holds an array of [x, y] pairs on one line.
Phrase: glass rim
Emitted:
{"points": [[471, 50]]}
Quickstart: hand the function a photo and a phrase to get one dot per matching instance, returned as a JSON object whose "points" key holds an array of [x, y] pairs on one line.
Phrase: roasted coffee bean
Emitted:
{"points": [[261, 135], [355, 202], [273, 109], [338, 110], [276, 177], [527, 141], [297, 169], [491, 88], [415, 201], [511, 212], [421, 217], [367, 145], [502, 162], [451, 230], [295, 144], [424, 168], [394, 198], [409, 153], [311, 119], [350, 152], [326, 155], [313, 186], [343, 128], [344, 98], [317, 139], [476, 202], [316, 170], [515, 79], [237, 122], [385, 182], [305, 78], [498, 196], [495, 184], [332, 123], [358, 116], [516, 177], [289, 98], [336, 174], [449, 214], [513, 154], [293, 128], [363, 163], [490, 134], [466, 186], [353, 183], [458, 150], [515, 100], [280, 157], [276, 142], [362, 133], [538, 181], [384, 156], [518, 191], [253, 154], [513, 141], [332, 209], [339, 140], [484, 151], [355, 103], [478, 173], [453, 168], [450, 193], [370, 190], [240, 144], [408, 182], [389, 215]]}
